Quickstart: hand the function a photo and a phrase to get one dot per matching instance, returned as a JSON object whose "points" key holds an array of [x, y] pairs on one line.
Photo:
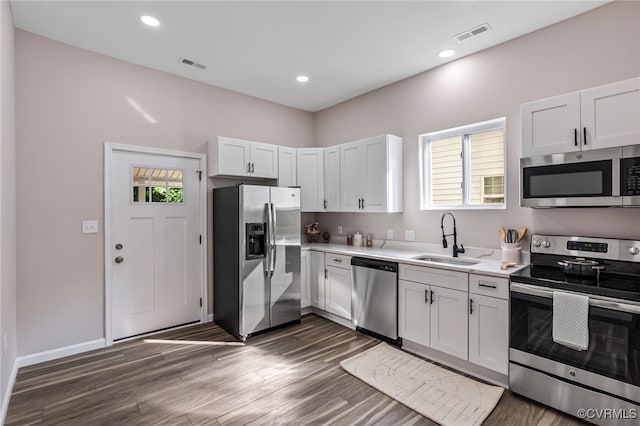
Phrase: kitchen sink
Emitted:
{"points": [[446, 260]]}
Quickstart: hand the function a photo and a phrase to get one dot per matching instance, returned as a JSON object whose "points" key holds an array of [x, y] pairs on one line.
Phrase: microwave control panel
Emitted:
{"points": [[630, 176]]}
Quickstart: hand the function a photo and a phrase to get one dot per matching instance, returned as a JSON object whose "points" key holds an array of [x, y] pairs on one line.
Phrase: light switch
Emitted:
{"points": [[89, 226], [410, 235]]}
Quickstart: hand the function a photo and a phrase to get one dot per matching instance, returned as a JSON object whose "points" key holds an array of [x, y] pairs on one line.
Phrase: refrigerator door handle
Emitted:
{"points": [[273, 239], [267, 265]]}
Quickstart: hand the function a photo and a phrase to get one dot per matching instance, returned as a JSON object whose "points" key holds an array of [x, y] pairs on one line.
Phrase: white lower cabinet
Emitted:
{"points": [[449, 326], [433, 316], [316, 279], [413, 311], [489, 322], [305, 279], [338, 285], [460, 314]]}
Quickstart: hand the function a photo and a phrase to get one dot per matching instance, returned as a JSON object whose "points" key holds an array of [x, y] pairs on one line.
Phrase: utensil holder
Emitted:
{"points": [[511, 252]]}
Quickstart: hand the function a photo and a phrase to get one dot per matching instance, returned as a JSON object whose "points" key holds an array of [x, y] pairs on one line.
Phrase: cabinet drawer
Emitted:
{"points": [[489, 286], [433, 276], [338, 261]]}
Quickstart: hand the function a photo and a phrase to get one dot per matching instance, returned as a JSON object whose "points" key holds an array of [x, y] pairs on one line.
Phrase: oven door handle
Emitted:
{"points": [[597, 301]]}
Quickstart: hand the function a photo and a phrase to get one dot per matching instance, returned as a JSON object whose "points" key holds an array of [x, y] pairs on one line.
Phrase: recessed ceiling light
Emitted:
{"points": [[302, 78], [150, 20], [447, 53]]}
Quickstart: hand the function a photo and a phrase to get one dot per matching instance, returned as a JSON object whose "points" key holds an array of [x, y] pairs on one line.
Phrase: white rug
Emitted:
{"points": [[437, 393]]}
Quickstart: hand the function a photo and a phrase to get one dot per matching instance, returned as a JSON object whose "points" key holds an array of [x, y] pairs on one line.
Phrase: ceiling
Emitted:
{"points": [[259, 47]]}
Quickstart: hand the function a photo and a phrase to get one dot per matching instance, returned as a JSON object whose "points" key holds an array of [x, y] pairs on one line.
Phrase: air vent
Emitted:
{"points": [[192, 63], [465, 35]]}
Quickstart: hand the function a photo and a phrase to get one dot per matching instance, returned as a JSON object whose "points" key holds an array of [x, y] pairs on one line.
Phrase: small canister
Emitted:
{"points": [[357, 239], [349, 239], [369, 240]]}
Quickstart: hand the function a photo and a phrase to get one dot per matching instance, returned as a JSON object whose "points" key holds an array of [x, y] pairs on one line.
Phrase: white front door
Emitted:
{"points": [[155, 254]]}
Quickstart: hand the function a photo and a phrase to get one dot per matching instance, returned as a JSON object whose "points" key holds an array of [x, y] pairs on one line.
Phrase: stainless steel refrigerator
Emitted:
{"points": [[256, 258]]}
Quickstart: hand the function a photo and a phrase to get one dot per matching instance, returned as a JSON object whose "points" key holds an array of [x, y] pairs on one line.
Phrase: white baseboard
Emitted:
{"points": [[210, 318], [52, 354], [7, 394]]}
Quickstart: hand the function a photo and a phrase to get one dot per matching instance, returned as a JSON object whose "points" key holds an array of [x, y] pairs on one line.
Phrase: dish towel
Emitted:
{"points": [[571, 320]]}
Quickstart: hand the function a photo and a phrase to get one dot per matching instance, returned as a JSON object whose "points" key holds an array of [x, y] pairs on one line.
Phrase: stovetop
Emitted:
{"points": [[619, 286], [620, 259]]}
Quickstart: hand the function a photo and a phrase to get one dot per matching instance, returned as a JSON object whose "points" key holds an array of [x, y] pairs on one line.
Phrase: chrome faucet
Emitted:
{"points": [[456, 249]]}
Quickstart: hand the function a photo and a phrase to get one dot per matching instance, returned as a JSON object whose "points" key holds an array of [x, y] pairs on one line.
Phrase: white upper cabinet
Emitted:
{"points": [[611, 115], [601, 117], [287, 168], [310, 165], [371, 175], [332, 179], [551, 125], [238, 157]]}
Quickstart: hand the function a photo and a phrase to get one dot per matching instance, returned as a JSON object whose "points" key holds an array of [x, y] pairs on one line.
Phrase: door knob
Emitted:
{"points": [[119, 259], [118, 246]]}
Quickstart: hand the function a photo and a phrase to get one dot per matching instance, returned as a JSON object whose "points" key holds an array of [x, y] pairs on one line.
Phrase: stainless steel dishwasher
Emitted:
{"points": [[374, 298]]}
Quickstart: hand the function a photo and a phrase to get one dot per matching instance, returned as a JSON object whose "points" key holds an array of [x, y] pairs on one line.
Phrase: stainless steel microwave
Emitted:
{"points": [[608, 177]]}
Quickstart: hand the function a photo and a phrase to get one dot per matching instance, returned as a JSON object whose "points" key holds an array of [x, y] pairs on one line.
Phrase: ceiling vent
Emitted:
{"points": [[192, 63], [465, 35]]}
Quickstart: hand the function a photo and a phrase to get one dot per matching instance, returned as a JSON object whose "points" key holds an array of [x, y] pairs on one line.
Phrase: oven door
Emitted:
{"points": [[580, 179], [610, 364]]}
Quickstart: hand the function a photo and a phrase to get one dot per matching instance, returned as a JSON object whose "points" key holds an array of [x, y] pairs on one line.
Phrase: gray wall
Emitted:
{"points": [[595, 48], [69, 101], [7, 199]]}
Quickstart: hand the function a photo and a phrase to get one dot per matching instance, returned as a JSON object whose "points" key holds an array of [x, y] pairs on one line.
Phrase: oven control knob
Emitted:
{"points": [[536, 243], [546, 244], [634, 250]]}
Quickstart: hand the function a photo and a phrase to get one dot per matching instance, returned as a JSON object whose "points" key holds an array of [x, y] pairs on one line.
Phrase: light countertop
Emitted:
{"points": [[405, 252]]}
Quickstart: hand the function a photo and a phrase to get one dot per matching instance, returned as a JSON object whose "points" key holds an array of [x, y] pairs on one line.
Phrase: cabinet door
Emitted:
{"points": [[332, 179], [233, 157], [305, 279], [338, 288], [449, 316], [551, 125], [310, 179], [611, 115], [287, 166], [489, 332], [264, 160], [350, 176], [413, 312], [375, 169], [316, 279]]}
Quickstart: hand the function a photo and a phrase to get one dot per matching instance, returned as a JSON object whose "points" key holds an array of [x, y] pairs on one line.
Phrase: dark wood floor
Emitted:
{"points": [[287, 376]]}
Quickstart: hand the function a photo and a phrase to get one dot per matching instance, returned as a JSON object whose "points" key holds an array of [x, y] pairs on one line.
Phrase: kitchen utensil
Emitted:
{"points": [[581, 267], [511, 236], [503, 235], [521, 233]]}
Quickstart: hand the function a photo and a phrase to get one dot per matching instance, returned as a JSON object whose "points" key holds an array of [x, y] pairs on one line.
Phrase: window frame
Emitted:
{"points": [[464, 132]]}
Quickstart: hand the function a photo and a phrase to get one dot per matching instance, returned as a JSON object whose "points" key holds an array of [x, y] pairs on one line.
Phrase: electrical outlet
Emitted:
{"points": [[410, 235], [340, 230], [89, 226], [389, 234]]}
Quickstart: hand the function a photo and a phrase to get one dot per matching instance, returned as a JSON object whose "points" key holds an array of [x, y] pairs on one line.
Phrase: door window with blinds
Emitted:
{"points": [[156, 185], [464, 167]]}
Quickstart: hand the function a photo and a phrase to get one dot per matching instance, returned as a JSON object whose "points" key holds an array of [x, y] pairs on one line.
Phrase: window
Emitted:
{"points": [[464, 167], [155, 185]]}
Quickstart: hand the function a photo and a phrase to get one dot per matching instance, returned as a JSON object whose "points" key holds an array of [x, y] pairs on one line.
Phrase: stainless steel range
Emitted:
{"points": [[597, 378]]}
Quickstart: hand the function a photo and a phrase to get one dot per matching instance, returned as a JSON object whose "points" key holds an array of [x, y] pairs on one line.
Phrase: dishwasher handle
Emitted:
{"points": [[374, 264]]}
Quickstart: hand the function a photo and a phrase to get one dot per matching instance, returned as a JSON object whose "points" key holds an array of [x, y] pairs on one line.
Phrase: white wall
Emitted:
{"points": [[68, 102], [595, 48], [7, 200]]}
